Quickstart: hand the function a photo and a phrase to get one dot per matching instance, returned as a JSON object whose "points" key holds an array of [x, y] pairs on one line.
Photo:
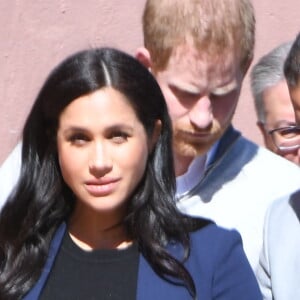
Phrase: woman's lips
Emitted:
{"points": [[101, 187]]}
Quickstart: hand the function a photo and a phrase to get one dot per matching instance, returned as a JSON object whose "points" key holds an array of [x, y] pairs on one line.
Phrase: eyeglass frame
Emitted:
{"points": [[284, 148]]}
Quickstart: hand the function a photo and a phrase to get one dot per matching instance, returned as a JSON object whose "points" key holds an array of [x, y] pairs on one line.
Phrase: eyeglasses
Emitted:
{"points": [[286, 138]]}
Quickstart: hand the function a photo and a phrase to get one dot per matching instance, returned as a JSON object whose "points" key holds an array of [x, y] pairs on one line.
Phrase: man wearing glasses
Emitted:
{"points": [[278, 272], [275, 113]]}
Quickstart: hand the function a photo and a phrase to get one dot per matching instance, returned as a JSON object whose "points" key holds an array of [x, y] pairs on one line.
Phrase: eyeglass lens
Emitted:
{"points": [[287, 138]]}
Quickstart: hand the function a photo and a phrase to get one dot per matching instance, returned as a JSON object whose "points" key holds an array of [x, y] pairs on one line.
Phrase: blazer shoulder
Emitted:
{"points": [[284, 207], [217, 255], [213, 242]]}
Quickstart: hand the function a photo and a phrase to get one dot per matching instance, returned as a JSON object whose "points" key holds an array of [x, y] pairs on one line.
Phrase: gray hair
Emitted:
{"points": [[267, 73]]}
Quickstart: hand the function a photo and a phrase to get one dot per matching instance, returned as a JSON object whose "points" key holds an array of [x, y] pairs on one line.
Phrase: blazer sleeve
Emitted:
{"points": [[233, 277]]}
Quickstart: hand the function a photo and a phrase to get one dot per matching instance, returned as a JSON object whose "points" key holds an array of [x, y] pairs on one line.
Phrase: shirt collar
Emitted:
{"points": [[195, 172]]}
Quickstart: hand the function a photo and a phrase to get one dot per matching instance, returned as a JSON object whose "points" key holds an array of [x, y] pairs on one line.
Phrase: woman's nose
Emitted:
{"points": [[100, 160]]}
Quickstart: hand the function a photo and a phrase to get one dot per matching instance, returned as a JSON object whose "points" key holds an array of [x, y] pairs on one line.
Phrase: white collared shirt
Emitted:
{"points": [[185, 182]]}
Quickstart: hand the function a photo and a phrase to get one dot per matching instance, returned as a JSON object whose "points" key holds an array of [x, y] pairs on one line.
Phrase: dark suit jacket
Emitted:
{"points": [[217, 264]]}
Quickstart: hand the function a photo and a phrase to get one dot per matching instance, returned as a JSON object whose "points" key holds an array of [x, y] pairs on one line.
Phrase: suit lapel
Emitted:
{"points": [[34, 293], [150, 286]]}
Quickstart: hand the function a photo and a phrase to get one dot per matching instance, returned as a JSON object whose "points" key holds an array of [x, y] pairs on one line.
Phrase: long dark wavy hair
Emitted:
{"points": [[41, 200]]}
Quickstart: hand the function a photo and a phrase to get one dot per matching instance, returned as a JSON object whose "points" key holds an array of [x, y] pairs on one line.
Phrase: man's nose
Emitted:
{"points": [[201, 114]]}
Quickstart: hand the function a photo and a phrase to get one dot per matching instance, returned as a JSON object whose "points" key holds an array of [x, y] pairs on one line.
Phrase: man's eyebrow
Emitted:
{"points": [[225, 89], [284, 123], [184, 87]]}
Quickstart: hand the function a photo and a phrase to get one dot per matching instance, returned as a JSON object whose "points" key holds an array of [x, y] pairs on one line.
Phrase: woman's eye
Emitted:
{"points": [[78, 139], [119, 137]]}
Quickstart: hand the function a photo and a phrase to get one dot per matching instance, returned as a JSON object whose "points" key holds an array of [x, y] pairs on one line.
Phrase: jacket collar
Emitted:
{"points": [[232, 154], [147, 278], [226, 141], [53, 250]]}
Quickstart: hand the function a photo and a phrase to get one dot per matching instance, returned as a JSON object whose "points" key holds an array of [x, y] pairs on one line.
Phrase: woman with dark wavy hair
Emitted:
{"points": [[93, 214]]}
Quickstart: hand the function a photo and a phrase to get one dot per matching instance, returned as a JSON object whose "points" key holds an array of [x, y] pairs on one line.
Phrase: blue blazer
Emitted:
{"points": [[217, 264]]}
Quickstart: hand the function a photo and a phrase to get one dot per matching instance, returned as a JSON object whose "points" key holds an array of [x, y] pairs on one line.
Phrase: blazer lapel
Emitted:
{"points": [[34, 293], [151, 286]]}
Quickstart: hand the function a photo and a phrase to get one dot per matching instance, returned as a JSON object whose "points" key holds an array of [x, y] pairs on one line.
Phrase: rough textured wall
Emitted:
{"points": [[36, 34]]}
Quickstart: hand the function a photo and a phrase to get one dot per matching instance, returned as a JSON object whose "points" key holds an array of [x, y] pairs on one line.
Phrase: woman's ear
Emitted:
{"points": [[143, 56], [155, 135]]}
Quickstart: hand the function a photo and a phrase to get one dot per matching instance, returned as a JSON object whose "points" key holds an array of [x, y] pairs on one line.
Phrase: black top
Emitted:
{"points": [[87, 275]]}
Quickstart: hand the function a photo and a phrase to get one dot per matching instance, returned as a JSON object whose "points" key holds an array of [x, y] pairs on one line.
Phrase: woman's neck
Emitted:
{"points": [[91, 232]]}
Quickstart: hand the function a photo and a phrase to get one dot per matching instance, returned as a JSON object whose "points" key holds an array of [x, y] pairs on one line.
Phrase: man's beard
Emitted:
{"points": [[185, 146]]}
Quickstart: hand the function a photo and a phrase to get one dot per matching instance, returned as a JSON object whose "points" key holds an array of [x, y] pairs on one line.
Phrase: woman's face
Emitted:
{"points": [[102, 150]]}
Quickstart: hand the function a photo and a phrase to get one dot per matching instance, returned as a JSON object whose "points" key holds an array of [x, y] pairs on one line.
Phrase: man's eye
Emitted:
{"points": [[290, 132]]}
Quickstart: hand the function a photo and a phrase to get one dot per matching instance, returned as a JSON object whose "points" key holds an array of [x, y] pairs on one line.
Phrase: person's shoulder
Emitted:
{"points": [[211, 228], [9, 173], [285, 206], [277, 159], [212, 238], [14, 158], [272, 164], [213, 245], [217, 258], [264, 154]]}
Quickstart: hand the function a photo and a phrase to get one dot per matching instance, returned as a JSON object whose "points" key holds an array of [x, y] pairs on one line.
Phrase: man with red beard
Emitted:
{"points": [[199, 52]]}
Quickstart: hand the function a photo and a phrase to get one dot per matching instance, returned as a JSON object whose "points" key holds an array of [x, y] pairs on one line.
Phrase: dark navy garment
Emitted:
{"points": [[217, 263], [99, 274]]}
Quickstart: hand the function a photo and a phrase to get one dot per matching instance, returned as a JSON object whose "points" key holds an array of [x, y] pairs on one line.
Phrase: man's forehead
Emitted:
{"points": [[198, 62], [193, 68]]}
